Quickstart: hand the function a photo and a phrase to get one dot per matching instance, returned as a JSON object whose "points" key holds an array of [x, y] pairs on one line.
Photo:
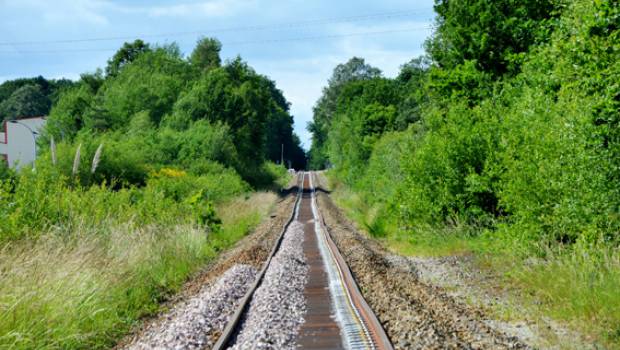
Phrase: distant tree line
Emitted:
{"points": [[30, 97], [151, 105]]}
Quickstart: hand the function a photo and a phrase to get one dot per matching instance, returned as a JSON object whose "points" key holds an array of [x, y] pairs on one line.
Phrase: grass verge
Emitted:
{"points": [[86, 288]]}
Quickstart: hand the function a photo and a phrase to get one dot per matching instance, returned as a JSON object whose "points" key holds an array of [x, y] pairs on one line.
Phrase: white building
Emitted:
{"points": [[18, 140]]}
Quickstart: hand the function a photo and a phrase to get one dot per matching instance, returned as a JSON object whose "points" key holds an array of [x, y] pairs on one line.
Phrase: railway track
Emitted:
{"points": [[336, 316]]}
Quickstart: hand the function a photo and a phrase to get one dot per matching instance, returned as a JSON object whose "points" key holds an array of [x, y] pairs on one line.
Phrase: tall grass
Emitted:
{"points": [[577, 286], [80, 266], [240, 215], [86, 288], [85, 291]]}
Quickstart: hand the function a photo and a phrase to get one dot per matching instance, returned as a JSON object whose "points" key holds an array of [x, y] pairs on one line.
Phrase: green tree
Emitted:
{"points": [[50, 89], [27, 101], [366, 110], [230, 95], [206, 54], [354, 69], [93, 80], [67, 116], [8, 87], [128, 53], [494, 34], [151, 83], [412, 79]]}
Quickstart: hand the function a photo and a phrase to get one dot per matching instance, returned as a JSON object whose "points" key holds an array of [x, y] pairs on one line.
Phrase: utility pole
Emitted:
{"points": [[282, 155]]}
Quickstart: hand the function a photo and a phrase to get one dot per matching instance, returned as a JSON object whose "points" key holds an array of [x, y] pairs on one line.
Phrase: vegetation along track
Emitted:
{"points": [[305, 296]]}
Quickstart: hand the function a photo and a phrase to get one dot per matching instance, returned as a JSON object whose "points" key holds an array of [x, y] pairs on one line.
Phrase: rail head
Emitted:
{"points": [[367, 315]]}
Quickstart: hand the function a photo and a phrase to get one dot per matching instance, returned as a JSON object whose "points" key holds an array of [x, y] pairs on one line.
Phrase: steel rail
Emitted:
{"points": [[371, 326], [231, 327], [372, 329]]}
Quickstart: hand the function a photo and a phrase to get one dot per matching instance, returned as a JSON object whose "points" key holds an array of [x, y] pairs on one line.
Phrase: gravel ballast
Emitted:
{"points": [[278, 306], [252, 250], [196, 323]]}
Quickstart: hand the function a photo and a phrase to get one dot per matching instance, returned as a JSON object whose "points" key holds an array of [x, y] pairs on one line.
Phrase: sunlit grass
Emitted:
{"points": [[240, 215], [426, 242], [85, 291], [577, 286], [86, 288]]}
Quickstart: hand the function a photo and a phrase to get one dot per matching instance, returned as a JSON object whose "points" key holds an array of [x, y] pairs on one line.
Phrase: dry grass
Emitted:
{"points": [[84, 291]]}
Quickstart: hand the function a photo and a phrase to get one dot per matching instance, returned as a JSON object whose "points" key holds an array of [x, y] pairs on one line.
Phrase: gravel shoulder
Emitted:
{"points": [[462, 279], [251, 251], [278, 306], [195, 323]]}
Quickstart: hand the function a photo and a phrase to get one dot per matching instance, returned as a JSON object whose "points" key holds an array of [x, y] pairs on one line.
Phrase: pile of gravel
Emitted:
{"points": [[278, 306], [196, 323]]}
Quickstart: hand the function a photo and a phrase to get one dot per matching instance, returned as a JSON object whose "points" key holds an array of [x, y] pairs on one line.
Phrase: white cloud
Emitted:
{"points": [[213, 8], [62, 11]]}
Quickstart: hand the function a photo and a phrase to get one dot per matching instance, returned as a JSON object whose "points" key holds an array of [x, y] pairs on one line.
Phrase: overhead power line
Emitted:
{"points": [[279, 26], [236, 43]]}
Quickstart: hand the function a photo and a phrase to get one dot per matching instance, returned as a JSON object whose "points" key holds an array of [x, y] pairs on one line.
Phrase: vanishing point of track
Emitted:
{"points": [[337, 316]]}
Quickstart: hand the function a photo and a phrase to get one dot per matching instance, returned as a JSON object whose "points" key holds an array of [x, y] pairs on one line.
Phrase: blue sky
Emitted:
{"points": [[296, 43]]}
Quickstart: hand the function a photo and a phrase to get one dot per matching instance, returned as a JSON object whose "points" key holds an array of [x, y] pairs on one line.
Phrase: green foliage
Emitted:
{"points": [[206, 54], [125, 55], [27, 101], [151, 83], [250, 105], [220, 96], [168, 148], [534, 153], [34, 98], [494, 34], [90, 262], [325, 108], [160, 112], [506, 144], [150, 111], [206, 141], [462, 83], [67, 116], [6, 173]]}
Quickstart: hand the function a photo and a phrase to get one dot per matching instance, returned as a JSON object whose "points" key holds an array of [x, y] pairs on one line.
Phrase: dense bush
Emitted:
{"points": [[155, 107], [534, 152], [511, 145], [37, 202]]}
